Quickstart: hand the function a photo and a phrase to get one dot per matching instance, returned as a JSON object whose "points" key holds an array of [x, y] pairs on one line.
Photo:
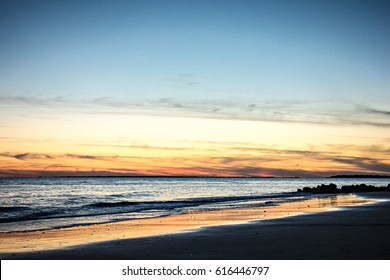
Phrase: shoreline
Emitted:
{"points": [[69, 243]]}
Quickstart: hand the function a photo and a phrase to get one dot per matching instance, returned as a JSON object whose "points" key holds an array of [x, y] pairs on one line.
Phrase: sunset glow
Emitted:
{"points": [[242, 89]]}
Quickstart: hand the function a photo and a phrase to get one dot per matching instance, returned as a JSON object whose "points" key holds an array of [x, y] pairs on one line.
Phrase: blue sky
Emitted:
{"points": [[197, 50], [232, 88]]}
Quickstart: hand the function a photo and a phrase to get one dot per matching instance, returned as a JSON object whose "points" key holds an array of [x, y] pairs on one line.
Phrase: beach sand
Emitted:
{"points": [[360, 230]]}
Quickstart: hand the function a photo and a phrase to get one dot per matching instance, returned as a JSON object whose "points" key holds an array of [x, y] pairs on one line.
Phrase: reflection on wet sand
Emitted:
{"points": [[65, 237]]}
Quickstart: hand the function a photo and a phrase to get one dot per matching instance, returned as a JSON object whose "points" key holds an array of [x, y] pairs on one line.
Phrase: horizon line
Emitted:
{"points": [[203, 176]]}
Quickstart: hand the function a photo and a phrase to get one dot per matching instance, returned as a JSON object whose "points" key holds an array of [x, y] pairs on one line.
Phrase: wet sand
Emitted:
{"points": [[359, 231]]}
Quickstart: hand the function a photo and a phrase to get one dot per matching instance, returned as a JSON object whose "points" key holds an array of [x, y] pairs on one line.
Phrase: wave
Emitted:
{"points": [[123, 207], [32, 216], [187, 202], [112, 204], [6, 209]]}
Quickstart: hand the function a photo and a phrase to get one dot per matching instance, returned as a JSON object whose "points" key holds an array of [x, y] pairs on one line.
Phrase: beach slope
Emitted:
{"points": [[356, 232]]}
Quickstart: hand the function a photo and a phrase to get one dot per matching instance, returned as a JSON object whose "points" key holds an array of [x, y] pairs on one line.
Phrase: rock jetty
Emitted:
{"points": [[332, 188]]}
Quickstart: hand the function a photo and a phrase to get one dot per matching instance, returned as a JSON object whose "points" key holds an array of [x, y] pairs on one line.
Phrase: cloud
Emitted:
{"points": [[183, 81], [141, 147], [269, 164], [221, 158], [245, 171], [364, 163], [284, 111], [276, 111], [33, 100], [62, 173], [26, 156], [81, 156], [375, 111], [34, 156], [93, 158]]}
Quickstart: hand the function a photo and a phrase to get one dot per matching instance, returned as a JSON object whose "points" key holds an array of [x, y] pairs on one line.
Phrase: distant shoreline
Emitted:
{"points": [[359, 176]]}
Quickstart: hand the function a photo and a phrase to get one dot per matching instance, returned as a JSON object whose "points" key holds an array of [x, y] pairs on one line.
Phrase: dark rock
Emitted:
{"points": [[332, 188], [362, 188]]}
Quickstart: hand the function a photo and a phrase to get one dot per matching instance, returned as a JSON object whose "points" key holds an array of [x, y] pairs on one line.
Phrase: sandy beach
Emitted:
{"points": [[310, 229]]}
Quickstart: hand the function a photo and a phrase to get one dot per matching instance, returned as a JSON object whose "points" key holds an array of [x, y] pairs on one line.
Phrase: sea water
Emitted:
{"points": [[43, 203]]}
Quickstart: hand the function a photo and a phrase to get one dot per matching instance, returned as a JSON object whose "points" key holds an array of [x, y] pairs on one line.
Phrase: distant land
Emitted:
{"points": [[360, 176]]}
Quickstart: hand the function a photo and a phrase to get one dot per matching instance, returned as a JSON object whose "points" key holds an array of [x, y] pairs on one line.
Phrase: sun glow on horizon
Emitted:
{"points": [[156, 145], [207, 88]]}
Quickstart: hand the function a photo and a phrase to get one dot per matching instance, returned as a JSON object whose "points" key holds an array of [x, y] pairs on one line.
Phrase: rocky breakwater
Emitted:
{"points": [[332, 188]]}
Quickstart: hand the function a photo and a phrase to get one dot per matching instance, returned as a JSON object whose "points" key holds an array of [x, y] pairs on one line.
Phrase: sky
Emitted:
{"points": [[203, 88]]}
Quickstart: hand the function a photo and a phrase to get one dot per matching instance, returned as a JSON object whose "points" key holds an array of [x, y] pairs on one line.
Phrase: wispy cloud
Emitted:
{"points": [[26, 156], [286, 111], [364, 163], [141, 147], [62, 173], [184, 81], [21, 156], [230, 160], [34, 100], [374, 111], [82, 156]]}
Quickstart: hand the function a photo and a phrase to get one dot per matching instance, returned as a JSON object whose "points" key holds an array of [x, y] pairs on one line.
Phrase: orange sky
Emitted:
{"points": [[67, 140], [216, 88]]}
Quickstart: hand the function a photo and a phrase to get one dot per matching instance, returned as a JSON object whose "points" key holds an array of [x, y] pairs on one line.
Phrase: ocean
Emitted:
{"points": [[44, 203]]}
